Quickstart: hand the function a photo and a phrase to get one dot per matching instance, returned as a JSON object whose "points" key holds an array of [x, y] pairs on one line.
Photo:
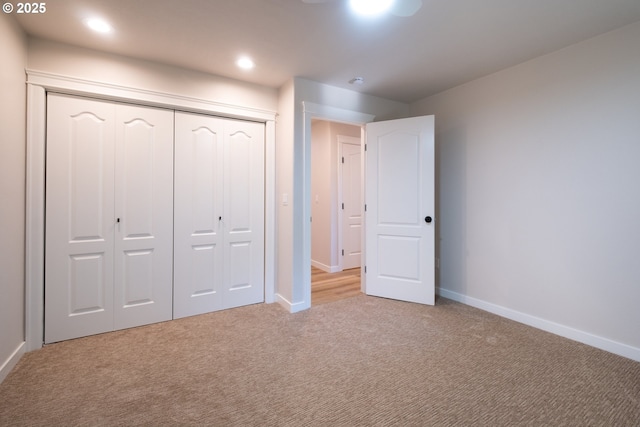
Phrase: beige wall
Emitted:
{"points": [[538, 190], [13, 47]]}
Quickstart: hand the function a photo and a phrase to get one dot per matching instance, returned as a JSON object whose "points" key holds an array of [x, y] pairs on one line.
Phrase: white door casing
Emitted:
{"points": [[219, 209], [107, 161], [400, 232], [351, 204]]}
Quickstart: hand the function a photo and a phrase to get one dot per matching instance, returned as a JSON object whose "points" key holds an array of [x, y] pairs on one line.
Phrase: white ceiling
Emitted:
{"points": [[447, 43]]}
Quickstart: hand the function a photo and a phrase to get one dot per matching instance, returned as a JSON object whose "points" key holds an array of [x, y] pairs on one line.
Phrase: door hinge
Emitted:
{"points": [[342, 159], [365, 207], [343, 206], [365, 269], [343, 252]]}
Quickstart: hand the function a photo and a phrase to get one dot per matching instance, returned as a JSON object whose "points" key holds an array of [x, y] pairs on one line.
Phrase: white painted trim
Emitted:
{"points": [[12, 361], [292, 307], [620, 349], [324, 112], [78, 86], [38, 83], [270, 212], [34, 222], [326, 268], [334, 114]]}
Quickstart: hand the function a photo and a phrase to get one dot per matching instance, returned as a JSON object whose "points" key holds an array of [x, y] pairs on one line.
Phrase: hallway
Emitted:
{"points": [[329, 287]]}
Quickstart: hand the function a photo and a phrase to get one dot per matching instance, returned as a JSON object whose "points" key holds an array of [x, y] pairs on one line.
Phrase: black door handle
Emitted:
{"points": [[427, 219]]}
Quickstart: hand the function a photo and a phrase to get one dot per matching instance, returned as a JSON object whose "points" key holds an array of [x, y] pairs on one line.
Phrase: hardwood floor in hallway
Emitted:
{"points": [[329, 287]]}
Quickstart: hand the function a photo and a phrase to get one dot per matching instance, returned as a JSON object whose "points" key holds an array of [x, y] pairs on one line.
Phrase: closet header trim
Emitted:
{"points": [[77, 86]]}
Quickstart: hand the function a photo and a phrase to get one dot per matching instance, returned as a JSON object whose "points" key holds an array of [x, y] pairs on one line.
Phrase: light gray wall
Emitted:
{"points": [[539, 190], [13, 47]]}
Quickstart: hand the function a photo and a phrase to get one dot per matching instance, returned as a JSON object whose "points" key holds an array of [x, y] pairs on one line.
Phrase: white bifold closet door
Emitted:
{"points": [[109, 217], [219, 214]]}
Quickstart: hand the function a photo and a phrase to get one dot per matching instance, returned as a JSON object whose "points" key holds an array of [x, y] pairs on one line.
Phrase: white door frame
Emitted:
{"points": [[333, 114], [38, 84], [342, 139]]}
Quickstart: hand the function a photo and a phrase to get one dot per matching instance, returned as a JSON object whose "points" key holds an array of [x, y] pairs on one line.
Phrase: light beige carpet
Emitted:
{"points": [[363, 361]]}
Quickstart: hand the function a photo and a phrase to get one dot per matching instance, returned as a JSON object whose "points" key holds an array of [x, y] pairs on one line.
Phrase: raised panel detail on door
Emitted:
{"points": [[137, 278], [136, 151], [144, 207], [79, 210], [86, 269], [198, 215], [399, 179]]}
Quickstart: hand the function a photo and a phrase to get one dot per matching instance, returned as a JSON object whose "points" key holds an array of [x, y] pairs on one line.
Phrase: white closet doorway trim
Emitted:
{"points": [[38, 84]]}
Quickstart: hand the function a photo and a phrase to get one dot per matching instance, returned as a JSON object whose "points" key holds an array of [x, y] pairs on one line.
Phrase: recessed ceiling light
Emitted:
{"points": [[99, 25], [370, 7], [245, 63]]}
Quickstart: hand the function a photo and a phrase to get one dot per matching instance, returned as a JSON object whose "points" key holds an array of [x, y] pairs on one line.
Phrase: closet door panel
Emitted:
{"points": [[244, 213], [144, 216], [198, 256], [79, 237]]}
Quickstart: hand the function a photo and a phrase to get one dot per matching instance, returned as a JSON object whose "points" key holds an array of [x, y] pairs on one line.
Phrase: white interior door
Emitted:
{"points": [[351, 204], [219, 214], [243, 218], [79, 237], [400, 232], [109, 217], [198, 212], [144, 216]]}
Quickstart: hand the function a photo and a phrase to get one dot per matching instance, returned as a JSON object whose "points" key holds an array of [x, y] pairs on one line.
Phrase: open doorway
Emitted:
{"points": [[336, 210]]}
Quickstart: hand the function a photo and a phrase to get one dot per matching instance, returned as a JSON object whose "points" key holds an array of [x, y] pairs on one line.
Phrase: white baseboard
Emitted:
{"points": [[9, 364], [290, 306], [605, 344], [324, 267]]}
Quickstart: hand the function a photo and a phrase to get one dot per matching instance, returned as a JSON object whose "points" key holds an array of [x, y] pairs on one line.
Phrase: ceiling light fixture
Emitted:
{"points": [[245, 63], [356, 81], [99, 25], [370, 7]]}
